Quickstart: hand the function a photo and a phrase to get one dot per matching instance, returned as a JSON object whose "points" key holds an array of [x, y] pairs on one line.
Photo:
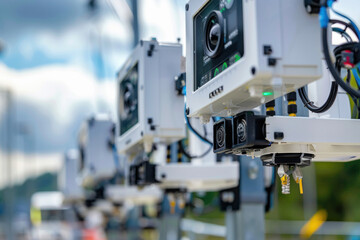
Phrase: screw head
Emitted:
{"points": [[309, 8], [253, 70]]}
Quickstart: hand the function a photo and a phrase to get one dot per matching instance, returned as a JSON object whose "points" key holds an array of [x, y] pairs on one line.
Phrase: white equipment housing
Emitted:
{"points": [[149, 110], [97, 156], [330, 140], [68, 184], [287, 28], [47, 200], [134, 195], [204, 177]]}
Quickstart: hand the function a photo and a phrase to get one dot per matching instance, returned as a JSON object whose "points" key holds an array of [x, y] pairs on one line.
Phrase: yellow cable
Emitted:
{"points": [[292, 103], [292, 114], [313, 224], [301, 186]]}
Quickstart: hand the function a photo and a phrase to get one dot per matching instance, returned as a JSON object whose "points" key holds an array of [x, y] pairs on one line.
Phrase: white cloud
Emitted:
{"points": [[24, 166], [57, 89], [162, 19], [53, 100]]}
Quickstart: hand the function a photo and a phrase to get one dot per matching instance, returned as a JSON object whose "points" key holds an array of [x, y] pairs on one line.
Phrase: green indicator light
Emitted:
{"points": [[237, 57], [267, 94], [217, 71], [224, 66]]}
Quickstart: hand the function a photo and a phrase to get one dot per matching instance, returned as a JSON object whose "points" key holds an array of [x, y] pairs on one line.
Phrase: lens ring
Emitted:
{"points": [[214, 35], [241, 131], [128, 101], [220, 136]]}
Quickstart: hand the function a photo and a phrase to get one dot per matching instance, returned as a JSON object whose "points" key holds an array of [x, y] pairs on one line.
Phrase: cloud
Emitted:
{"points": [[51, 102], [24, 166], [39, 32]]}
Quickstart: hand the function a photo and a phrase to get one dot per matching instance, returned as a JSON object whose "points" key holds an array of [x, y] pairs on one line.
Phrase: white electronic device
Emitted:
{"points": [[241, 54], [198, 177], [149, 110], [315, 139], [131, 194], [96, 152], [67, 180]]}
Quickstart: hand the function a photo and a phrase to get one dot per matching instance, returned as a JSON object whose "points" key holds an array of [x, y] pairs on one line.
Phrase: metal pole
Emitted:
{"points": [[135, 23], [249, 222], [9, 195], [170, 227]]}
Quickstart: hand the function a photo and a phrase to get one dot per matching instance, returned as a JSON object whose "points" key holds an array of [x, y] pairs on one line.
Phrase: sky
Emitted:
{"points": [[60, 64]]}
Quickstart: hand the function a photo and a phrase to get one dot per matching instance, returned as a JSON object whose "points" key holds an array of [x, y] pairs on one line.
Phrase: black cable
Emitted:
{"points": [[183, 151], [334, 86], [333, 71], [326, 106], [347, 25]]}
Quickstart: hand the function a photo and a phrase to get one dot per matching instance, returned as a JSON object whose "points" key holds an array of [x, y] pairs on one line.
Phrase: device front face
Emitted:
{"points": [[242, 54], [128, 100], [219, 57], [218, 39]]}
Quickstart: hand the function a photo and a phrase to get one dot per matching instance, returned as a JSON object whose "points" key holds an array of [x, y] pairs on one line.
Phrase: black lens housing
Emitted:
{"points": [[249, 131], [222, 136]]}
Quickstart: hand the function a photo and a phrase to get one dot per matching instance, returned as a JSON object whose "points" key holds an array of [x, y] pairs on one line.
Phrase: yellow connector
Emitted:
{"points": [[172, 206], [284, 180]]}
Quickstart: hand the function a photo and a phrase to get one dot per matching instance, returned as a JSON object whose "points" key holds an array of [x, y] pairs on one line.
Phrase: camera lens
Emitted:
{"points": [[241, 131], [128, 100], [214, 34], [220, 137]]}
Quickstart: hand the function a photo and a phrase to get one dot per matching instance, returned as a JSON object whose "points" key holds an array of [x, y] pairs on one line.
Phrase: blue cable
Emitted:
{"points": [[330, 4], [323, 17], [194, 131], [343, 33], [116, 157]]}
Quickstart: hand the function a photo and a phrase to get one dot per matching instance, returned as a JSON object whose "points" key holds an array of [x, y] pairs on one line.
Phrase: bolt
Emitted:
{"points": [[253, 70], [309, 9]]}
